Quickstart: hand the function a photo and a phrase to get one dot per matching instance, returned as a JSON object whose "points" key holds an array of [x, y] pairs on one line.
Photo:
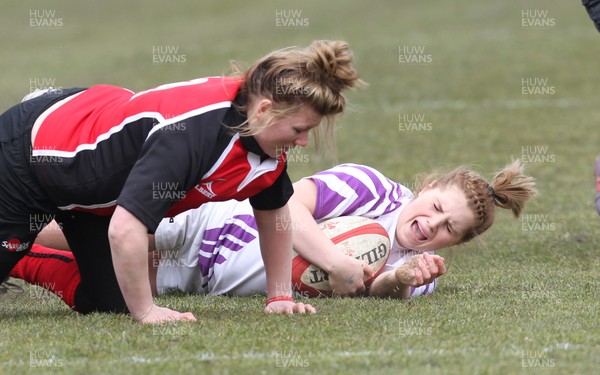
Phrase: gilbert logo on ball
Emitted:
{"points": [[355, 236]]}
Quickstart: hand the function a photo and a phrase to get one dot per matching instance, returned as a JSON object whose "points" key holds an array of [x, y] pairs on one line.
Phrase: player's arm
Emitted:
{"points": [[346, 274], [276, 244], [129, 243], [386, 285], [177, 159]]}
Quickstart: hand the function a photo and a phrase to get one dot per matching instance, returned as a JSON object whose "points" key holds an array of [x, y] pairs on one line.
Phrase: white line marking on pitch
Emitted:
{"points": [[206, 356]]}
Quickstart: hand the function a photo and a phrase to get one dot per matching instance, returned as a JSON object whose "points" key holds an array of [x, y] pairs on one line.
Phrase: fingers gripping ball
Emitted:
{"points": [[355, 236]]}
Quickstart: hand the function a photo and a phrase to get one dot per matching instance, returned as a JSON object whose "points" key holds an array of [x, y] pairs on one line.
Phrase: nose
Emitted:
{"points": [[437, 220], [302, 139]]}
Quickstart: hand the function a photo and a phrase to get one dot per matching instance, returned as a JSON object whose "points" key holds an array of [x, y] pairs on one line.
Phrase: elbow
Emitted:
{"points": [[123, 226], [116, 231]]}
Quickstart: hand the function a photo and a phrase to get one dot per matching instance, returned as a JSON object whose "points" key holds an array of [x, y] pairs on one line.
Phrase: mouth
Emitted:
{"points": [[418, 232]]}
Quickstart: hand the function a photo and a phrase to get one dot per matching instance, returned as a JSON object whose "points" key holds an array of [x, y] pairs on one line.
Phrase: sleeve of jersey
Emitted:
{"points": [[423, 289], [351, 189], [276, 195], [171, 162]]}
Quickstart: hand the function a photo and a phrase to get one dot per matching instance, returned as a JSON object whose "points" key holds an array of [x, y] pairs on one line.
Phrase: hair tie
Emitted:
{"points": [[279, 298], [496, 196]]}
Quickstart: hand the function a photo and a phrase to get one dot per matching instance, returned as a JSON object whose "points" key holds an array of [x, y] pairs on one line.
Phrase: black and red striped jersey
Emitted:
{"points": [[156, 153]]}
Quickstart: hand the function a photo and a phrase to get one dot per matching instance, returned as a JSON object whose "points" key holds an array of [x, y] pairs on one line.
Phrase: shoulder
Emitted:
{"points": [[199, 90], [354, 174]]}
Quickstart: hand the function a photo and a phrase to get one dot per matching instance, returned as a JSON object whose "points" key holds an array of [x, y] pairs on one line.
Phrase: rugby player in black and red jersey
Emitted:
{"points": [[108, 164]]}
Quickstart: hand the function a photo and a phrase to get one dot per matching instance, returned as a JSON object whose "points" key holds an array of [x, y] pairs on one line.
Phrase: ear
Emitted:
{"points": [[427, 187], [262, 107]]}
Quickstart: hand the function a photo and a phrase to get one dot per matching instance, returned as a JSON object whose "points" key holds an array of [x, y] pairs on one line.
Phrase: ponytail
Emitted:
{"points": [[510, 189], [292, 77]]}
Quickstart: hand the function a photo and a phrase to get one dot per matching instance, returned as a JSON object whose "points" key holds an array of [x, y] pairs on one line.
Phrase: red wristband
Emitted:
{"points": [[279, 298]]}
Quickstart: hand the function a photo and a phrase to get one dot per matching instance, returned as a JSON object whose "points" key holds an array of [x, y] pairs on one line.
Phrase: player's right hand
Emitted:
{"points": [[347, 277], [159, 314], [289, 308]]}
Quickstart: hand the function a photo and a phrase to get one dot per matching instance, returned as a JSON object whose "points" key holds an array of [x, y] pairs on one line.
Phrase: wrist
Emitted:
{"points": [[333, 261], [279, 298], [142, 314]]}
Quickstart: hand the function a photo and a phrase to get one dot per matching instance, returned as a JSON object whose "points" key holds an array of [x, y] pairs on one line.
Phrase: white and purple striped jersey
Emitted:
{"points": [[215, 249]]}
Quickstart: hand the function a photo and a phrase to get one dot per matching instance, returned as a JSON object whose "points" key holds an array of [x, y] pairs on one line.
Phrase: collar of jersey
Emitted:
{"points": [[250, 144], [236, 117]]}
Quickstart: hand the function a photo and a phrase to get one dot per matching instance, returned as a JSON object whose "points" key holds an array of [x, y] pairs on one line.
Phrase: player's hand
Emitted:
{"points": [[348, 276], [158, 314], [289, 308], [421, 269]]}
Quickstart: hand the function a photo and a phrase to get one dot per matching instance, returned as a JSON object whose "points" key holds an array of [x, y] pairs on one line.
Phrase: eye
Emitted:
{"points": [[297, 131], [449, 230], [437, 208]]}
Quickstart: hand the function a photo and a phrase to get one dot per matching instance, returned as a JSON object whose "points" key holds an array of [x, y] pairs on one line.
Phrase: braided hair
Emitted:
{"points": [[510, 189]]}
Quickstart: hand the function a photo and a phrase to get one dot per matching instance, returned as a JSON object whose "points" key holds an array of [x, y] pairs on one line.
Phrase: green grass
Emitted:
{"points": [[513, 299]]}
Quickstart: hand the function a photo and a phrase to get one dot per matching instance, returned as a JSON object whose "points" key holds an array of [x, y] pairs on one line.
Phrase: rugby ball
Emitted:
{"points": [[355, 236]]}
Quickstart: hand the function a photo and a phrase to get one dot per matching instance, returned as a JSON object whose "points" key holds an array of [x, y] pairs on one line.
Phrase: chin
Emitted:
{"points": [[421, 247]]}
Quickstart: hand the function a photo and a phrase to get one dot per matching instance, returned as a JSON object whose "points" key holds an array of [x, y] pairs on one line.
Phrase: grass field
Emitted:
{"points": [[483, 81]]}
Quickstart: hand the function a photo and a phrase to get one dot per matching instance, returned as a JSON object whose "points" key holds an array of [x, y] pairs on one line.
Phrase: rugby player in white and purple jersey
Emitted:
{"points": [[215, 249]]}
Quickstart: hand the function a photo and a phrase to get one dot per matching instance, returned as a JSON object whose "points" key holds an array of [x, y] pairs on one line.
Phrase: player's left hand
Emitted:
{"points": [[429, 268], [289, 308], [421, 269]]}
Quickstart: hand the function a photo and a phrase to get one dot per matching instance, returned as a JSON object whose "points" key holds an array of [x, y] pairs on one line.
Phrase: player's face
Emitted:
{"points": [[288, 132], [435, 219]]}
